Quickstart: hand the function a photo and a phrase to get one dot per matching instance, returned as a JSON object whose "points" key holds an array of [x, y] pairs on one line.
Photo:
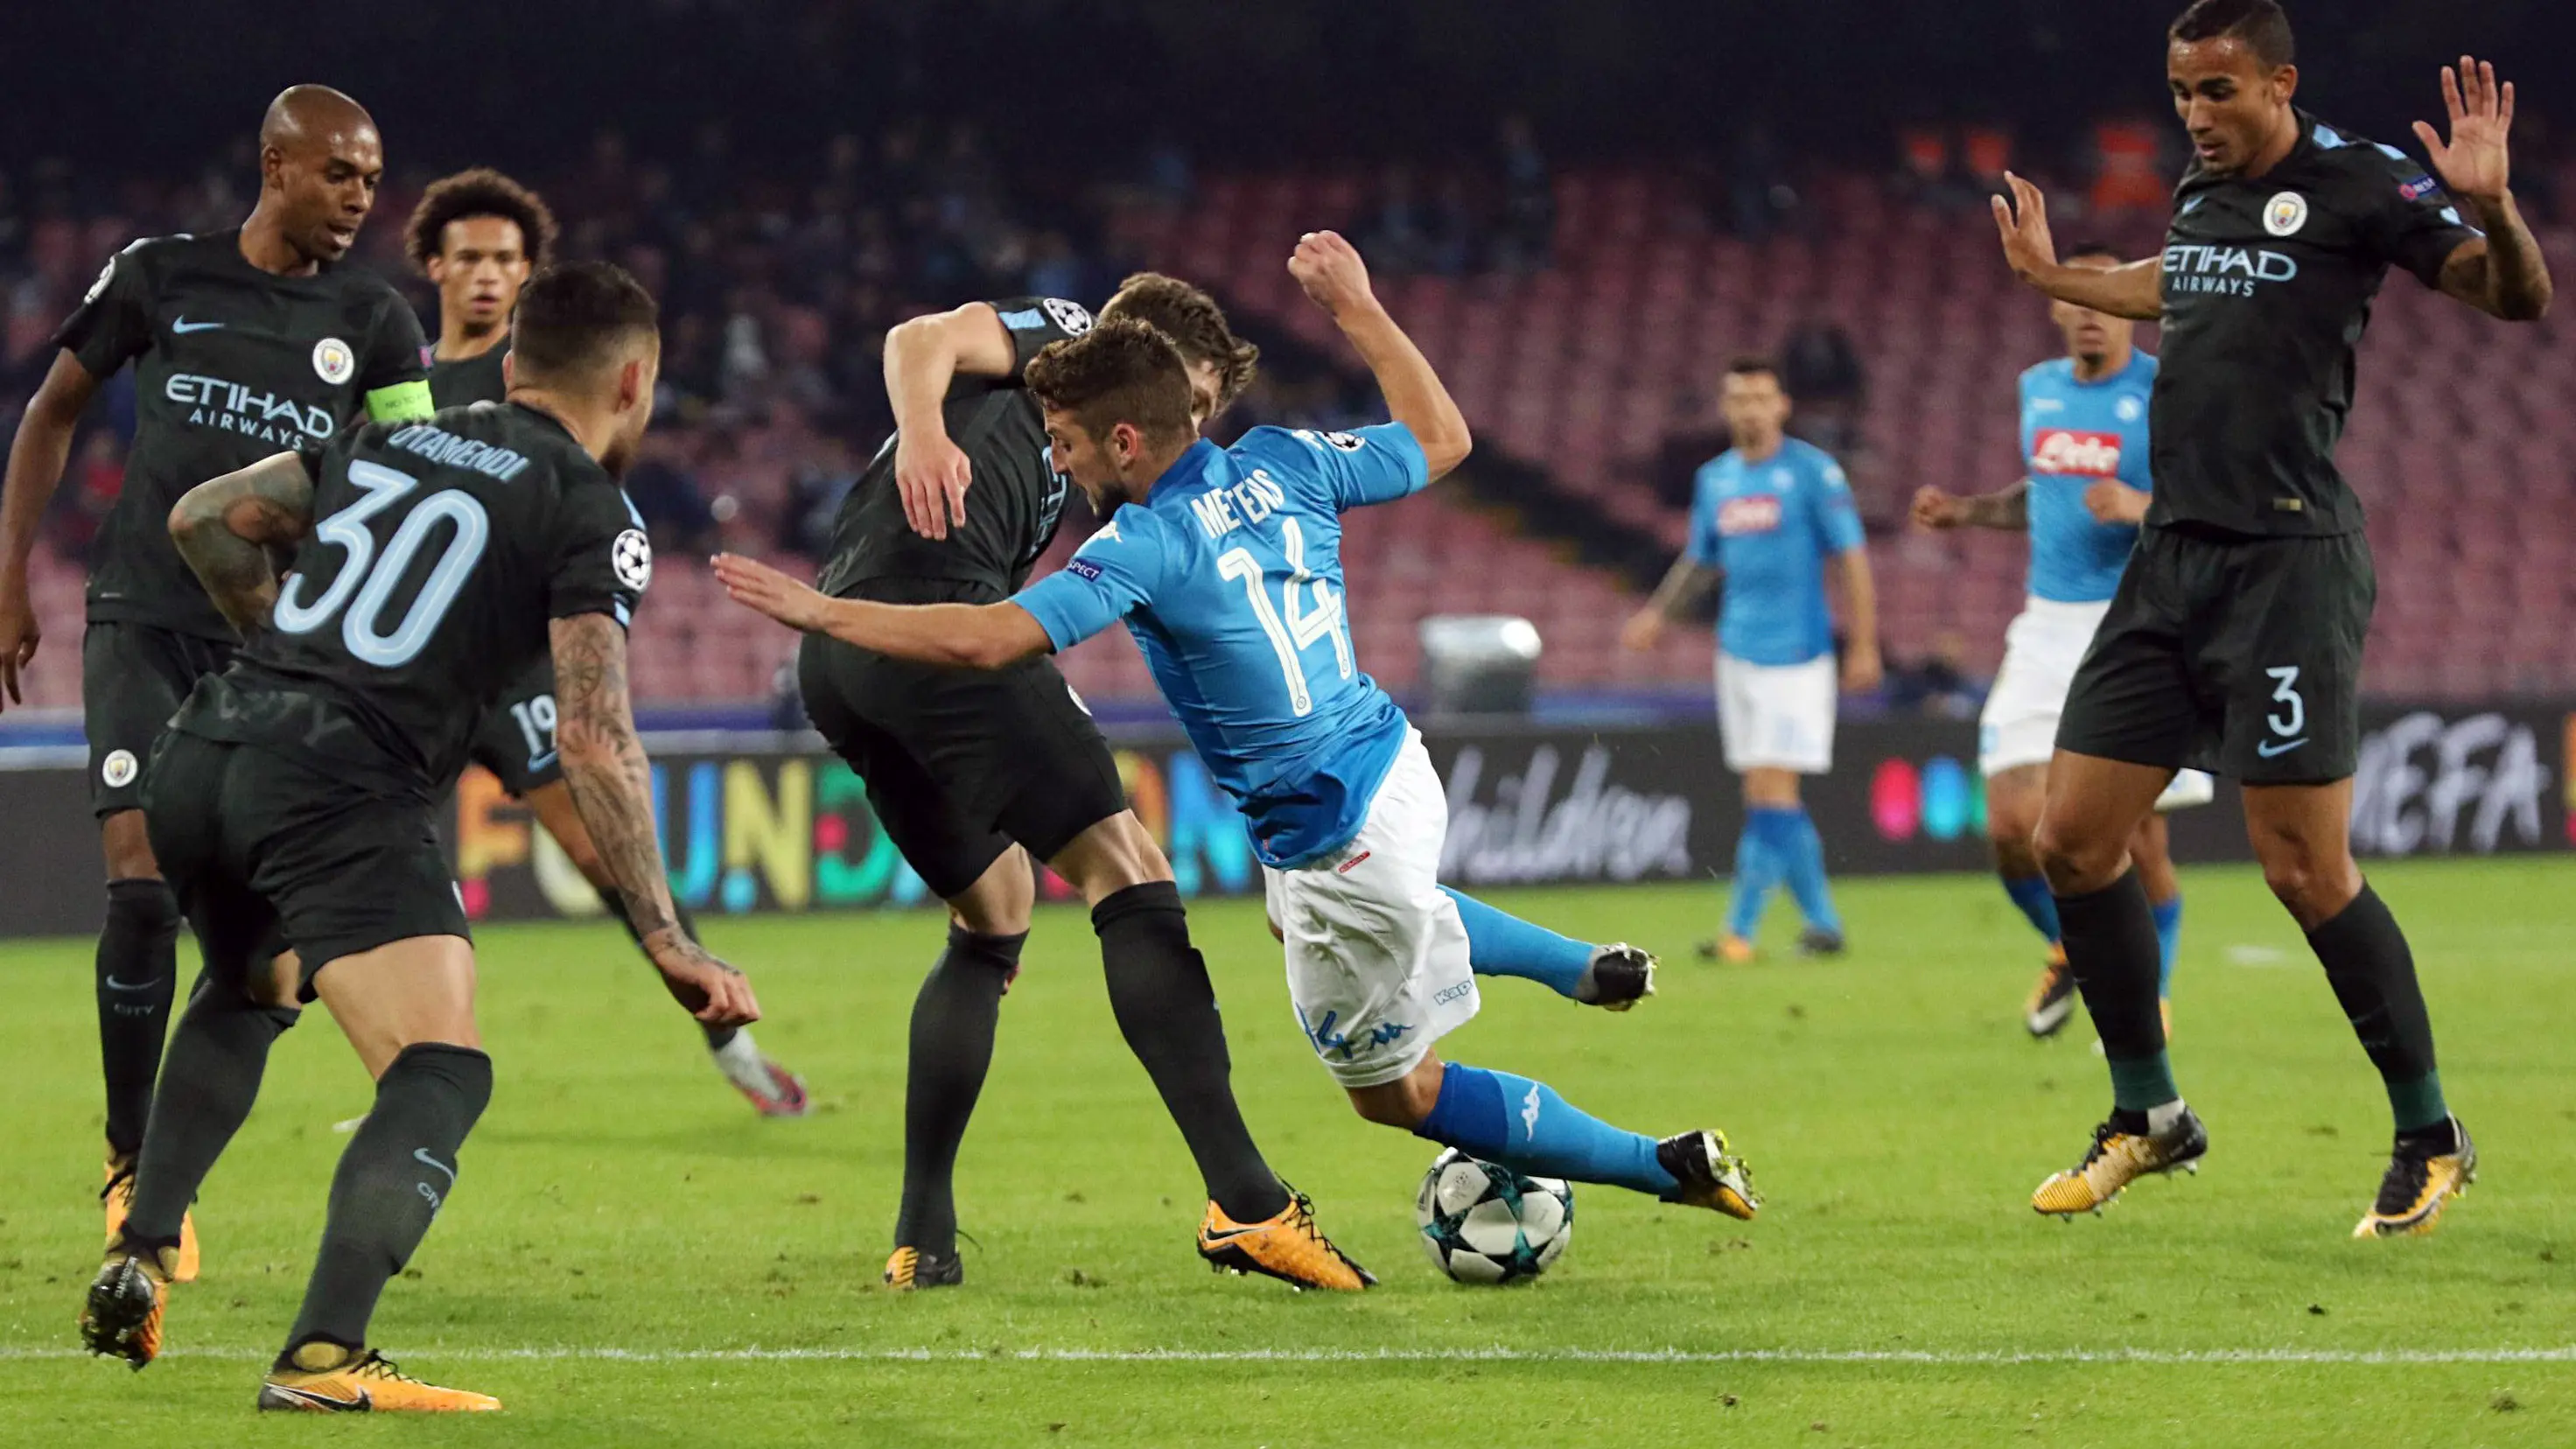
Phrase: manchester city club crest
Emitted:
{"points": [[333, 361], [2284, 214]]}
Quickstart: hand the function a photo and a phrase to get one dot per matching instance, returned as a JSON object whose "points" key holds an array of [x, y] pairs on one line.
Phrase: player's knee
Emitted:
{"points": [[2010, 826], [127, 848], [1404, 1103], [2315, 887], [2072, 859]]}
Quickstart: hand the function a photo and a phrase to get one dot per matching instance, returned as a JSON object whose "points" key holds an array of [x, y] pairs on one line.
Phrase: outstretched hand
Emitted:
{"points": [[2023, 222], [2474, 163], [749, 581]]}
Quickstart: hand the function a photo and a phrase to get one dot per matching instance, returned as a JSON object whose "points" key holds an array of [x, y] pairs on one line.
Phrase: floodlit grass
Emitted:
{"points": [[625, 1234]]}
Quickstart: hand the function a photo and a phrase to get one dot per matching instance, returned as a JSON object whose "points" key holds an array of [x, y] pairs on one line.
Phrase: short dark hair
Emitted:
{"points": [[2261, 24], [576, 316], [2095, 247], [1752, 364], [1195, 323], [1121, 371], [479, 192]]}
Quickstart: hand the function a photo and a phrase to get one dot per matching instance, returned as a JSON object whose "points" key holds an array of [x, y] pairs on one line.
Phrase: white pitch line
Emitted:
{"points": [[1930, 1358]]}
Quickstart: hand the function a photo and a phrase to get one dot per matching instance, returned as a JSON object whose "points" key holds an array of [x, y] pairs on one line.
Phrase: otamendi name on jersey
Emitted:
{"points": [[452, 451]]}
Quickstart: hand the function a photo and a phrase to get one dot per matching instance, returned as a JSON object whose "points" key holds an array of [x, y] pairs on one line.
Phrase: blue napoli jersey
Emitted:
{"points": [[1229, 576], [2074, 435], [1771, 525]]}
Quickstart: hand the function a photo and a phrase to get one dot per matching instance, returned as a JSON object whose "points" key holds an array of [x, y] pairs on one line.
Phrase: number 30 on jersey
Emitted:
{"points": [[372, 579]]}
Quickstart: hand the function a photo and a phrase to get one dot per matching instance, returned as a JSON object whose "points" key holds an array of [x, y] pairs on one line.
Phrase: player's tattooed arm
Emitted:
{"points": [[1685, 584], [2007, 509], [612, 786], [2502, 274], [964, 636], [2134, 291], [227, 527]]}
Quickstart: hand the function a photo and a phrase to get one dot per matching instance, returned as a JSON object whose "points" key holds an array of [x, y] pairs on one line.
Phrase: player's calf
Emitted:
{"points": [[1524, 1125]]}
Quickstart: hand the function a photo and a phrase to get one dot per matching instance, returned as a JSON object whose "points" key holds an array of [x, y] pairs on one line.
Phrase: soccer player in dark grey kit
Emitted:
{"points": [[291, 797], [974, 774], [477, 236], [2235, 639], [243, 342]]}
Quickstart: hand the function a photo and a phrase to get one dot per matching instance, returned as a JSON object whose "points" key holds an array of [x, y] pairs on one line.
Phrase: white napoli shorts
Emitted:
{"points": [[1777, 716], [2046, 642], [1377, 957]]}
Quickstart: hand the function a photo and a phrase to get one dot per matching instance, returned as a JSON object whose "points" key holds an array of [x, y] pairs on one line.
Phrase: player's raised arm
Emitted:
{"points": [[922, 357], [1335, 278], [36, 458], [2135, 291], [225, 528], [2005, 509], [967, 636], [612, 786], [2503, 273]]}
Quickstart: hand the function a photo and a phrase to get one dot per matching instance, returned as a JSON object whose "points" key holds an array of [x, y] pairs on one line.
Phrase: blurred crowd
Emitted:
{"points": [[780, 275], [776, 298]]}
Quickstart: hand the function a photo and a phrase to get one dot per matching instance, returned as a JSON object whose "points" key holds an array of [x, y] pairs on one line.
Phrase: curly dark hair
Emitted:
{"points": [[1195, 323], [479, 192], [1121, 371]]}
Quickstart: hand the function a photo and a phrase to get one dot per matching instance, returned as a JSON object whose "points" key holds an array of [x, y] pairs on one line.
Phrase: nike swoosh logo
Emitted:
{"points": [[1233, 1233], [361, 1404], [421, 1154], [182, 324], [2267, 750], [539, 762], [113, 984]]}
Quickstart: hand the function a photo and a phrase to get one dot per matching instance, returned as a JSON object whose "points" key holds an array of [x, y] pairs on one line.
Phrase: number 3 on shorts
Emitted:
{"points": [[2287, 678]]}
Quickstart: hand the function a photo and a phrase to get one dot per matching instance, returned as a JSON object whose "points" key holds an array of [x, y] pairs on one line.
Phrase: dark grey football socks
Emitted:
{"points": [[216, 1059], [2372, 972], [953, 1022], [718, 1037], [2115, 956], [138, 975], [1166, 1008], [396, 1174]]}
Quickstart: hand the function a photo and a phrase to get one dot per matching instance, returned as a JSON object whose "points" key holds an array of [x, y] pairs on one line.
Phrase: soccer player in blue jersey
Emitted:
{"points": [[2084, 433], [1225, 564], [1774, 515]]}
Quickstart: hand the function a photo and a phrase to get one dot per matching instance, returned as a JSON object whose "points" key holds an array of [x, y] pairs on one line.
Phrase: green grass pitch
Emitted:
{"points": [[625, 1231]]}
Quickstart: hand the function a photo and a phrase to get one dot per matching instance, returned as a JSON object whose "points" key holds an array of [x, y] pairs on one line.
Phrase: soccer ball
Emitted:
{"points": [[1487, 1224]]}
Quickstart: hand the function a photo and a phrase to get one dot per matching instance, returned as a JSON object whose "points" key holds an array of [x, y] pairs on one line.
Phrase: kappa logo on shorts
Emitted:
{"points": [[118, 769], [1346, 866]]}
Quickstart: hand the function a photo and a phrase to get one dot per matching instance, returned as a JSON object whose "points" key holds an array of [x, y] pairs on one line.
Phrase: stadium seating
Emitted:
{"points": [[2458, 434], [2457, 441]]}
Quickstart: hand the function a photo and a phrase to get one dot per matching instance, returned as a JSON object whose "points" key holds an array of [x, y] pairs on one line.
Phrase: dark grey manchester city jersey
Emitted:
{"points": [[2268, 282]]}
